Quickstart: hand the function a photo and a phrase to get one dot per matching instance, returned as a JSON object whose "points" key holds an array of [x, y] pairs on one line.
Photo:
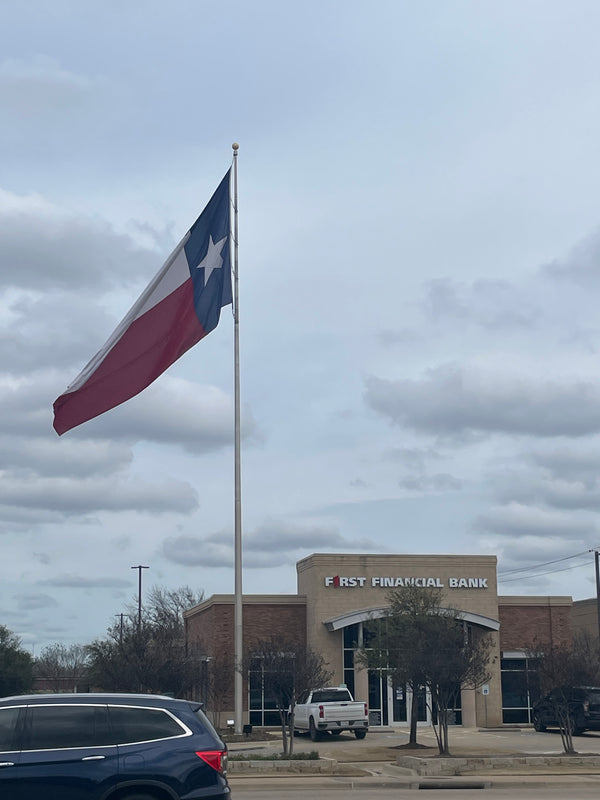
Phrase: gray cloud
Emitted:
{"points": [[561, 477], [442, 482], [63, 457], [34, 331], [199, 551], [452, 400], [74, 497], [43, 249], [271, 544], [552, 493], [569, 463], [40, 85], [289, 536], [491, 304], [84, 582], [175, 411], [581, 265], [404, 336], [171, 411], [515, 520], [413, 458], [34, 601]]}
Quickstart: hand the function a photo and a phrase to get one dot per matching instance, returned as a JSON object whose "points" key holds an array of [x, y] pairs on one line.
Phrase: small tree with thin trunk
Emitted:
{"points": [[455, 656], [561, 668], [219, 680], [286, 670], [389, 642]]}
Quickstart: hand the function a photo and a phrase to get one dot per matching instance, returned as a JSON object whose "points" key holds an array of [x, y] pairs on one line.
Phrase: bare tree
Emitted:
{"points": [[62, 666], [562, 668], [148, 657], [219, 682], [213, 678], [286, 671]]}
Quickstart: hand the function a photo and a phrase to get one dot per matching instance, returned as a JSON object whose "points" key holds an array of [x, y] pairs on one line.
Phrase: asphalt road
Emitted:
{"points": [[382, 793]]}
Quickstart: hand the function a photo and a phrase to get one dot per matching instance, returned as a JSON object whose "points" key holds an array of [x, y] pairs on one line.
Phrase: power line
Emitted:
{"points": [[546, 564], [548, 572]]}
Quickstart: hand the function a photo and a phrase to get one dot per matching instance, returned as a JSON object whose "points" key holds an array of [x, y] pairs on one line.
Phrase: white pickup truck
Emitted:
{"points": [[332, 709]]}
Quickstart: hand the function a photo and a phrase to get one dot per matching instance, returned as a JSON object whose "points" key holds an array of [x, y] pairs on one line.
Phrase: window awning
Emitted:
{"points": [[366, 614]]}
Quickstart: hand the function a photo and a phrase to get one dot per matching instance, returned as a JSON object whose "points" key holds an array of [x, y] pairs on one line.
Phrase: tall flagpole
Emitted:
{"points": [[238, 638]]}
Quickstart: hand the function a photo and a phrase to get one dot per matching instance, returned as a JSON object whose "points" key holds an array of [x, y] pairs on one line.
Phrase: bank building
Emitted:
{"points": [[338, 594]]}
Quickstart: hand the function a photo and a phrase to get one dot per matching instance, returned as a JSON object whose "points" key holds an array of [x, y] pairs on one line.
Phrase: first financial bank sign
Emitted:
{"points": [[340, 581]]}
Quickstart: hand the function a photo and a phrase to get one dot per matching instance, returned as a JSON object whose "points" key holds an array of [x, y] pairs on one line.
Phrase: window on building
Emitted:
{"points": [[352, 636], [262, 704], [520, 688]]}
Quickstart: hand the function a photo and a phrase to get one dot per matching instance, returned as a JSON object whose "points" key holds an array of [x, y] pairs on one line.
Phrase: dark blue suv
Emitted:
{"points": [[109, 747]]}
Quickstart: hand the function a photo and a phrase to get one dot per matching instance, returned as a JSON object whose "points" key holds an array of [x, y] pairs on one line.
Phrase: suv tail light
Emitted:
{"points": [[321, 712], [366, 711], [217, 759]]}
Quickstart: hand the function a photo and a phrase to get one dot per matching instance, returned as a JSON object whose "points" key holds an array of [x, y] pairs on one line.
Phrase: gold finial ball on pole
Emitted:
{"points": [[235, 146]]}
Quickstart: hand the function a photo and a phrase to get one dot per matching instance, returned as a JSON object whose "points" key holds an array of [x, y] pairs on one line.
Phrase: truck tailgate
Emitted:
{"points": [[340, 712]]}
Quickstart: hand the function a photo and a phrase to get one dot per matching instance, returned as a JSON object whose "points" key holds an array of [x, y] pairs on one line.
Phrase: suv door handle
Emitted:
{"points": [[7, 763], [93, 758]]}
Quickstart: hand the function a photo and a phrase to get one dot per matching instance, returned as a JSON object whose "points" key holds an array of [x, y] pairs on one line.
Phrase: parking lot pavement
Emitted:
{"points": [[381, 744]]}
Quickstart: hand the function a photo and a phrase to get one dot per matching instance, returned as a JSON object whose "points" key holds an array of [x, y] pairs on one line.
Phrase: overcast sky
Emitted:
{"points": [[419, 281]]}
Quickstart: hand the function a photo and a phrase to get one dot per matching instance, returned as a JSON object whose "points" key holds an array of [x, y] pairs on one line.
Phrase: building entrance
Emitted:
{"points": [[391, 704]]}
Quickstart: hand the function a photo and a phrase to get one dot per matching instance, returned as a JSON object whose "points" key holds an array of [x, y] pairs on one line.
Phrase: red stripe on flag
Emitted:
{"points": [[145, 350]]}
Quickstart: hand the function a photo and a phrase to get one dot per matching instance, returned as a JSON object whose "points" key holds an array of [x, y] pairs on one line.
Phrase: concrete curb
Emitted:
{"points": [[322, 773], [315, 782], [278, 766], [436, 767]]}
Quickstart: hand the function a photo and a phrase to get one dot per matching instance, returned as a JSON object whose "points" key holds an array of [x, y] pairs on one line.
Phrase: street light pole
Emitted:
{"points": [[139, 568]]}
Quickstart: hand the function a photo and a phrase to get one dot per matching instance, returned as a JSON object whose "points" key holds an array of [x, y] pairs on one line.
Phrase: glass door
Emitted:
{"points": [[400, 700]]}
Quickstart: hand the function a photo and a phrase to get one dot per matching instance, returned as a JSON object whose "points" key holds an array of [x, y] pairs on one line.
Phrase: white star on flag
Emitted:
{"points": [[213, 259]]}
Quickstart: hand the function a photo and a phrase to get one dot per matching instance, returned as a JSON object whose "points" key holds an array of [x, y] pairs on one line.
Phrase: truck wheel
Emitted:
{"points": [[360, 734], [538, 724], [314, 733]]}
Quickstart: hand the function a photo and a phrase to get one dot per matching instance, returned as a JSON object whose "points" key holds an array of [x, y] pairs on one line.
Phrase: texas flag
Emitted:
{"points": [[180, 306]]}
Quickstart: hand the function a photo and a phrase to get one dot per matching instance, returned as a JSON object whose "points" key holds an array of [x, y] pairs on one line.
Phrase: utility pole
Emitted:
{"points": [[139, 568], [120, 628]]}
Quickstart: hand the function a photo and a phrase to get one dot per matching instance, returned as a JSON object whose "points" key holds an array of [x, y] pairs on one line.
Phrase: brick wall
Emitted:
{"points": [[210, 627], [213, 626], [525, 623]]}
